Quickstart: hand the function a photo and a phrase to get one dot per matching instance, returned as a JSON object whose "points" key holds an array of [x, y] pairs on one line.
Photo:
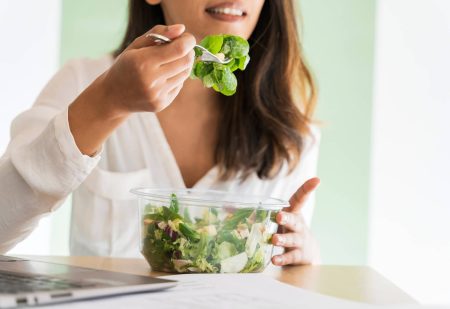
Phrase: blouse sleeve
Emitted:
{"points": [[42, 164]]}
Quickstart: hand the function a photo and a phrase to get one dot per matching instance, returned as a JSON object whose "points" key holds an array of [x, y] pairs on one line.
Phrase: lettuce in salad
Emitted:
{"points": [[234, 241]]}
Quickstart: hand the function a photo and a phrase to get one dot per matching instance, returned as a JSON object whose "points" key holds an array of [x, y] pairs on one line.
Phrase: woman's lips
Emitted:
{"points": [[226, 13], [224, 17]]}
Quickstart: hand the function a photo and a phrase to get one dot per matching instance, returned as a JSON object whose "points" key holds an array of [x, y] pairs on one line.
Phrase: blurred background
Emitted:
{"points": [[382, 67]]}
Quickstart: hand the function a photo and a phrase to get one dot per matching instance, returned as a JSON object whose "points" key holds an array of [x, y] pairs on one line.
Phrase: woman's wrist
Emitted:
{"points": [[101, 101]]}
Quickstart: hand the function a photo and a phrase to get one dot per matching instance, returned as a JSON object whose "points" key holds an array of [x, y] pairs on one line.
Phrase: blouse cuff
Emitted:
{"points": [[52, 164], [69, 148]]}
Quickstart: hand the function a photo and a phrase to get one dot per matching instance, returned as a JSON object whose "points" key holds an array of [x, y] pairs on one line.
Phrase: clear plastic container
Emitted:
{"points": [[193, 231]]}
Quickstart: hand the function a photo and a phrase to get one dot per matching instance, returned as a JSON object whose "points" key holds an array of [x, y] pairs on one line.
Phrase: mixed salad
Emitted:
{"points": [[220, 76], [226, 241]]}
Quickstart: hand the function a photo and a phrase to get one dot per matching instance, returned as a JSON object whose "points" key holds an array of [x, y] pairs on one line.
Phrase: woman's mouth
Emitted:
{"points": [[226, 13]]}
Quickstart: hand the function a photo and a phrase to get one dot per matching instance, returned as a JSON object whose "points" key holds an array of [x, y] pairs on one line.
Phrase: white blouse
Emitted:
{"points": [[42, 166]]}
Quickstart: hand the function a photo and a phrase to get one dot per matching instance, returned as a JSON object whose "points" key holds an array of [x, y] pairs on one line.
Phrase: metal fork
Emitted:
{"points": [[206, 55]]}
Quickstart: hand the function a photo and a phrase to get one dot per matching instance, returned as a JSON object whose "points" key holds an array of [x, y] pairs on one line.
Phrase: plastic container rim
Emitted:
{"points": [[163, 195]]}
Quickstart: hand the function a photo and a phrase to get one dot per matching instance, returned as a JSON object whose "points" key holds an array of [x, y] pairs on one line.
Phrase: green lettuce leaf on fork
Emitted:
{"points": [[218, 76]]}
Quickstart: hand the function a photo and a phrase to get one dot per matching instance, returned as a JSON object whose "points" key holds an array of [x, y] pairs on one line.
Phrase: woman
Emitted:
{"points": [[85, 135]]}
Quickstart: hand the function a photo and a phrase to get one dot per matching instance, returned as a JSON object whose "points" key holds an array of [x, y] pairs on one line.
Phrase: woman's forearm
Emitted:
{"points": [[92, 119]]}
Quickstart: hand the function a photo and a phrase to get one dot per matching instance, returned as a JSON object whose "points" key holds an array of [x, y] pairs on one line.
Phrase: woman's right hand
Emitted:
{"points": [[145, 77], [148, 77]]}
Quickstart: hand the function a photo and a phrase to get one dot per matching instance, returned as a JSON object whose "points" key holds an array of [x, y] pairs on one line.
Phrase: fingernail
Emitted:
{"points": [[283, 220], [172, 27], [281, 240], [278, 260]]}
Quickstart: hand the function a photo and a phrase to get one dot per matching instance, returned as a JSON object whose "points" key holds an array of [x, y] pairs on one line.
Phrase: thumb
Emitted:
{"points": [[301, 195], [172, 32]]}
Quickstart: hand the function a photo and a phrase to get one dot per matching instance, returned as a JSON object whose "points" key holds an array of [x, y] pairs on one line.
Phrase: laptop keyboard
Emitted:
{"points": [[11, 283]]}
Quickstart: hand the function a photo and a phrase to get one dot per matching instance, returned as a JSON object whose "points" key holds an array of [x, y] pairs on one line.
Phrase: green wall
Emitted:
{"points": [[338, 38], [91, 28], [339, 43]]}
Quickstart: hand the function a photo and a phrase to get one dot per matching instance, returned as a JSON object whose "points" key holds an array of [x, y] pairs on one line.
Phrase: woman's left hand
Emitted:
{"points": [[293, 234]]}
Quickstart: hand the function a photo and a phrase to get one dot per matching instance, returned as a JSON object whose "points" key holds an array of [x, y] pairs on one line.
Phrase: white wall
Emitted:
{"points": [[410, 189], [29, 55]]}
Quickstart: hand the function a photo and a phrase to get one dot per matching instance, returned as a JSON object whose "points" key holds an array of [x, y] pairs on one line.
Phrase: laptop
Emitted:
{"points": [[29, 283]]}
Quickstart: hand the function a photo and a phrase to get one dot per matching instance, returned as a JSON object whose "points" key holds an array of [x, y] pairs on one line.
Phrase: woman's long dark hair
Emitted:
{"points": [[265, 123]]}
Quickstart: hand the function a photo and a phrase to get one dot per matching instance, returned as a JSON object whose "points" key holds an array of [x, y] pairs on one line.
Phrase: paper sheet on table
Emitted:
{"points": [[224, 291]]}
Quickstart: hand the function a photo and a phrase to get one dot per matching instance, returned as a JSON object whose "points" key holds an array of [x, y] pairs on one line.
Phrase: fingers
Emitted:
{"points": [[291, 221], [174, 68], [177, 49], [288, 240], [171, 90], [174, 81], [294, 256], [159, 55], [172, 32], [298, 199], [179, 78], [174, 92]]}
